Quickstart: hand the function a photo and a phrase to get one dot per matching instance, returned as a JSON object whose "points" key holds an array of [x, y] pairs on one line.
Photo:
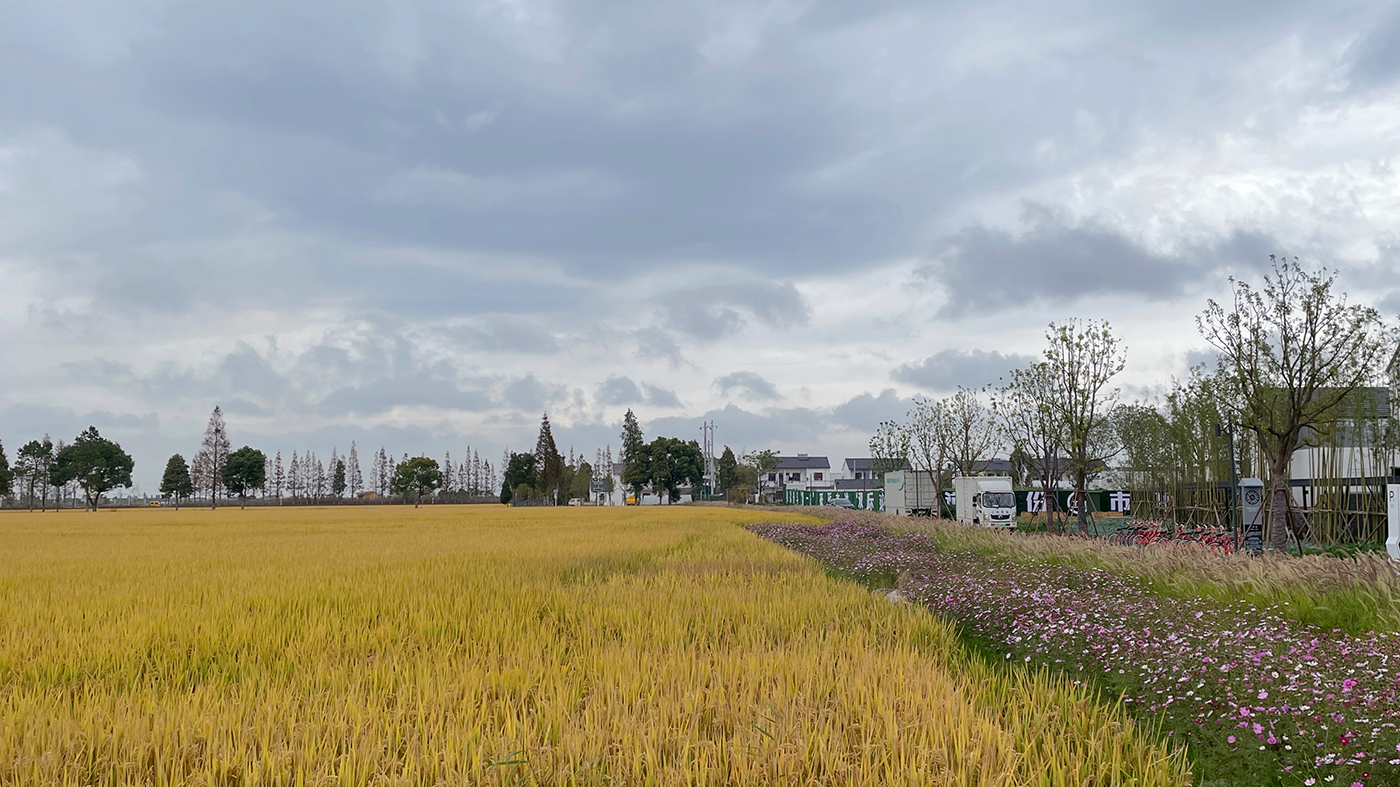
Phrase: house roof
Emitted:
{"points": [[803, 463], [859, 463], [856, 484]]}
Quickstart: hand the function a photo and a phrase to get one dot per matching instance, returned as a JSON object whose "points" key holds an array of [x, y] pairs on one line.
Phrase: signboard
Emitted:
{"points": [[1252, 515], [1392, 509]]}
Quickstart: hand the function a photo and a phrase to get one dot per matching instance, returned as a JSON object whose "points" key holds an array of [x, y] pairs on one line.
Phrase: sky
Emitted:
{"points": [[422, 225]]}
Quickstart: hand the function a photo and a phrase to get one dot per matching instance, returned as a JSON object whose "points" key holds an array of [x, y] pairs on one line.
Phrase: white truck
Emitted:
{"points": [[985, 500], [911, 493]]}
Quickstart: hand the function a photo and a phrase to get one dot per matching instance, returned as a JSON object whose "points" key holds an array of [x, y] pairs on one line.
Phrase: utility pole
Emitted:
{"points": [[707, 433]]}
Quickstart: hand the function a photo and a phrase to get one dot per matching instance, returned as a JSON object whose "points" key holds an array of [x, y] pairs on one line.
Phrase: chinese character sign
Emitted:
{"points": [[1120, 501], [1035, 502]]}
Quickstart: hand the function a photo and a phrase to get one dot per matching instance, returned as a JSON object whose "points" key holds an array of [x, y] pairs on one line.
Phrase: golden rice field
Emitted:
{"points": [[486, 645]]}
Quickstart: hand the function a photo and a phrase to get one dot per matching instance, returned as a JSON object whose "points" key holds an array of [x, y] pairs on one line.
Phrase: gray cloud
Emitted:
{"points": [[423, 389], [623, 391], [1056, 259], [179, 178], [865, 412], [750, 384], [948, 369], [1375, 57], [505, 333], [715, 312], [1389, 305]]}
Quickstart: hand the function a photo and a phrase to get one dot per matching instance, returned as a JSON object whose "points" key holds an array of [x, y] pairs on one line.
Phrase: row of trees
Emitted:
{"points": [[218, 471], [1058, 408], [546, 477], [91, 464], [1292, 358]]}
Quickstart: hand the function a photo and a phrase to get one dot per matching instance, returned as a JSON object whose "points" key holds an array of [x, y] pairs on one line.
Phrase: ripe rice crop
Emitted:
{"points": [[486, 645], [1259, 697]]}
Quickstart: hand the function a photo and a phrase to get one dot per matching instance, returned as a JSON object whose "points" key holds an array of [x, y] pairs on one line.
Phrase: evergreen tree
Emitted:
{"points": [[176, 482], [95, 463], [727, 470], [338, 482], [419, 475], [6, 475], [636, 458], [244, 471], [35, 460], [279, 478], [449, 473], [549, 465]]}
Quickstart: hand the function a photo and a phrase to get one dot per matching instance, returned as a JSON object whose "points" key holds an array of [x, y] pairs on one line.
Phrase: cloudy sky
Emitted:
{"points": [[422, 224]]}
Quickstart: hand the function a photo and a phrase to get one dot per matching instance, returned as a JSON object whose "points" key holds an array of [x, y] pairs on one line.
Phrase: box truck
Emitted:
{"points": [[911, 493], [985, 500]]}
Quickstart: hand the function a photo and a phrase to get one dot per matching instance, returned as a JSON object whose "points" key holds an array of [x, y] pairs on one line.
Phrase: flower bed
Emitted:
{"points": [[1258, 697]]}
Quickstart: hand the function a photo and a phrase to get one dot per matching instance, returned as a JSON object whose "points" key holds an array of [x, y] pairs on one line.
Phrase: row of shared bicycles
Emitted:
{"points": [[1141, 532]]}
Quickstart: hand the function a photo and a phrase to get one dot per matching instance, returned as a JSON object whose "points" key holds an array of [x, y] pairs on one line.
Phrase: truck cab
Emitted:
{"points": [[988, 501]]}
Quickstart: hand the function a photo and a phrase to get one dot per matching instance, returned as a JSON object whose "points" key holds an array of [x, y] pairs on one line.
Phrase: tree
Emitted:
{"points": [[354, 480], [6, 475], [419, 475], [889, 448], [582, 486], [974, 431], [1290, 355], [279, 478], [176, 482], [214, 451], [95, 463], [244, 471], [549, 465], [727, 470], [764, 463], [1083, 357], [380, 472], [338, 482], [520, 471], [35, 461], [294, 477], [636, 458], [674, 462], [931, 435]]}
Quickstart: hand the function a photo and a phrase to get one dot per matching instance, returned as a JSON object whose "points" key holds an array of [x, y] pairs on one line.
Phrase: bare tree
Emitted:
{"points": [[1083, 357], [354, 479], [1290, 355], [930, 436], [1024, 405], [974, 431], [889, 448], [215, 450]]}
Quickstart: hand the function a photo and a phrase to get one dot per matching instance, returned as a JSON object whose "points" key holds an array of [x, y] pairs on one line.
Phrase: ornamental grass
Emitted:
{"points": [[461, 645]]}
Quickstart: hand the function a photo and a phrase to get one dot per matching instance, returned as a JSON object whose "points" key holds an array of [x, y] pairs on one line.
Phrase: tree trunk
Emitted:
{"points": [[1278, 514], [1081, 492]]}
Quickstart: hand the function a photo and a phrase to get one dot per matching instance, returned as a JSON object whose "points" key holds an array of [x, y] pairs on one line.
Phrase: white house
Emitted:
{"points": [[802, 472]]}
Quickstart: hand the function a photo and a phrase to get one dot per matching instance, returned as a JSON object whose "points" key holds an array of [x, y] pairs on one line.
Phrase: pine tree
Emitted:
{"points": [[549, 465], [449, 474], [215, 449], [636, 458], [279, 478]]}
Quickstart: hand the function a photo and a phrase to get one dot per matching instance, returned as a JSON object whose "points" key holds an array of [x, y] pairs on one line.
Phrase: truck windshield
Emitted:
{"points": [[998, 499]]}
